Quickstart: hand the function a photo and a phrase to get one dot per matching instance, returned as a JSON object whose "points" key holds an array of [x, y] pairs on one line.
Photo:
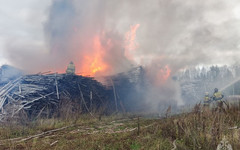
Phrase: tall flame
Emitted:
{"points": [[93, 62], [130, 43]]}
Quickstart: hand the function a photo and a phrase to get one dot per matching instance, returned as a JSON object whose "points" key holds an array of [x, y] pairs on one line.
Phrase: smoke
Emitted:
{"points": [[174, 33], [169, 33]]}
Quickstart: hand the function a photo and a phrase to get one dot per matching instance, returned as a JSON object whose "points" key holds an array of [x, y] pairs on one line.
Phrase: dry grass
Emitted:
{"points": [[199, 129]]}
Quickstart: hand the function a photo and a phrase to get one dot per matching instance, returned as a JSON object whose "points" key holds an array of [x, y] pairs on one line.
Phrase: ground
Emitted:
{"points": [[199, 129]]}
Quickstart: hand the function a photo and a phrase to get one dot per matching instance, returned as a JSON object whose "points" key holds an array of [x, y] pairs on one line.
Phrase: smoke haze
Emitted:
{"points": [[169, 35]]}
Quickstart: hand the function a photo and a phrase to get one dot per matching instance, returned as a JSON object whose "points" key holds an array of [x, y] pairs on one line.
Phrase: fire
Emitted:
{"points": [[158, 74], [93, 62], [130, 43], [163, 74]]}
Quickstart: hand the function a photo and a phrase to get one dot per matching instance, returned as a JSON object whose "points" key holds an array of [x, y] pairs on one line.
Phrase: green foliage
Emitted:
{"points": [[135, 146]]}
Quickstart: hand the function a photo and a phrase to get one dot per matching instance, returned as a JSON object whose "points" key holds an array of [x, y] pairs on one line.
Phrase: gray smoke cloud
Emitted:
{"points": [[72, 28], [172, 33]]}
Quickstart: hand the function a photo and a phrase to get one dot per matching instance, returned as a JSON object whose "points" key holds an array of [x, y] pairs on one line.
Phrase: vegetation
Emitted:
{"points": [[200, 129]]}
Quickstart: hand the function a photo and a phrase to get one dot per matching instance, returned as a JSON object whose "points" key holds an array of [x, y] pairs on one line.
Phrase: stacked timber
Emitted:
{"points": [[41, 95]]}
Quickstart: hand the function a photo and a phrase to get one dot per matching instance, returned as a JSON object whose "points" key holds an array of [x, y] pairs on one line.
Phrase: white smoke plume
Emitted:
{"points": [[174, 33], [171, 34]]}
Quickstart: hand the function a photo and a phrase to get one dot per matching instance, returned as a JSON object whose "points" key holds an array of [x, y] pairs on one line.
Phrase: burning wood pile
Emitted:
{"points": [[41, 95]]}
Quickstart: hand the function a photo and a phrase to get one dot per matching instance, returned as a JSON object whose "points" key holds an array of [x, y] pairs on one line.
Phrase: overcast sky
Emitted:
{"points": [[22, 21], [179, 33]]}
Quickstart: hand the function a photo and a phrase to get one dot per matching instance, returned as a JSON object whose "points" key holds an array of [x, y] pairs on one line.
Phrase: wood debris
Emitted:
{"points": [[40, 95]]}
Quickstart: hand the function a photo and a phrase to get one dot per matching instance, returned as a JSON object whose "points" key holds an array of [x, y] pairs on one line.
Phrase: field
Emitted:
{"points": [[199, 129]]}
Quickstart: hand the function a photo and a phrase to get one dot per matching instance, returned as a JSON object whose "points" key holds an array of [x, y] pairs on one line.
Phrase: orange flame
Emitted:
{"points": [[93, 63], [164, 74], [130, 43], [94, 58]]}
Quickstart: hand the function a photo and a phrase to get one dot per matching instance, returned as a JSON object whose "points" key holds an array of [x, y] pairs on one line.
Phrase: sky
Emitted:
{"points": [[36, 34], [22, 22]]}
